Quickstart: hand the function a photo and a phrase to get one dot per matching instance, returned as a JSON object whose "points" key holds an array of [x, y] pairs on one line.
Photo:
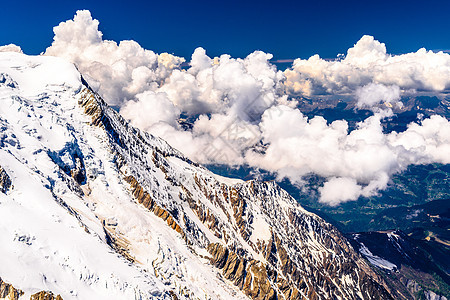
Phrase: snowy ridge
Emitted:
{"points": [[45, 214], [100, 209]]}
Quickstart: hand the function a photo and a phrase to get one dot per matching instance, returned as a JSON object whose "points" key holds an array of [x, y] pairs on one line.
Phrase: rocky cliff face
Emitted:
{"points": [[7, 291], [169, 228], [260, 239]]}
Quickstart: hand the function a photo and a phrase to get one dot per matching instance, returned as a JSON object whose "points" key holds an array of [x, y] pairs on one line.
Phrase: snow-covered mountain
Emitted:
{"points": [[92, 208]]}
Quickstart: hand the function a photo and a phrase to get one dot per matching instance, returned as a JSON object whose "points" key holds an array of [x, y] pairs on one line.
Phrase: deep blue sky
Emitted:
{"points": [[287, 29]]}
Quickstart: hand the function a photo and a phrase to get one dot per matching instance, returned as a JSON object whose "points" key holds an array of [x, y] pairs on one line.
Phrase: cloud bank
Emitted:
{"points": [[10, 48], [119, 72], [356, 164], [238, 111], [368, 62]]}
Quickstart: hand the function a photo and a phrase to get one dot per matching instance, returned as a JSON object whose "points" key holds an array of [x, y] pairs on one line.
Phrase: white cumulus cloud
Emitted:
{"points": [[242, 110], [224, 97], [375, 93], [123, 70], [339, 190], [361, 160], [368, 62], [11, 48]]}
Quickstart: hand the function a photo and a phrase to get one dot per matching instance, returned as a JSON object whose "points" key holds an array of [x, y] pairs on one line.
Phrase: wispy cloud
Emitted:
{"points": [[282, 61]]}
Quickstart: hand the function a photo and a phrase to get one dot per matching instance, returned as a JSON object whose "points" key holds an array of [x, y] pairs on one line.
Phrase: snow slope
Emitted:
{"points": [[99, 209], [44, 244]]}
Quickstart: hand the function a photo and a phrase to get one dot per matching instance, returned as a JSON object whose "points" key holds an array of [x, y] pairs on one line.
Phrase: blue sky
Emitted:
{"points": [[287, 29]]}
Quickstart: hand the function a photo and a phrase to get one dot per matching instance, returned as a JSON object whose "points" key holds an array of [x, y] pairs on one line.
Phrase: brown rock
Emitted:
{"points": [[45, 295], [144, 198], [250, 276], [7, 291], [219, 253]]}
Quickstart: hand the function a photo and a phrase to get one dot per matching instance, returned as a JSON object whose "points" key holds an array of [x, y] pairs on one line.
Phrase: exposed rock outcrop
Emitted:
{"points": [[145, 199], [249, 275], [7, 81], [45, 295], [7, 291], [5, 181], [116, 241]]}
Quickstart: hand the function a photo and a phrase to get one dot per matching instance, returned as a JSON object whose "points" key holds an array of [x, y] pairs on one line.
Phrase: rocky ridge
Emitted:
{"points": [[303, 257]]}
